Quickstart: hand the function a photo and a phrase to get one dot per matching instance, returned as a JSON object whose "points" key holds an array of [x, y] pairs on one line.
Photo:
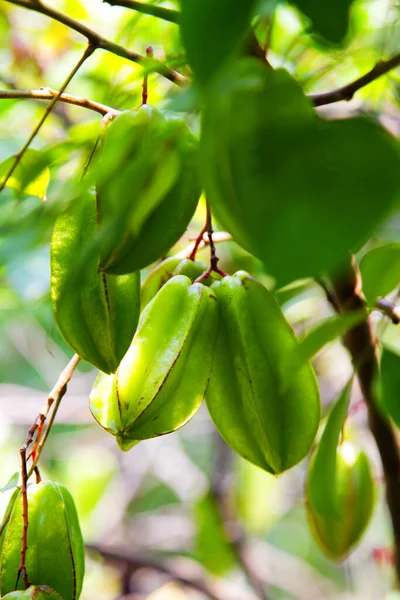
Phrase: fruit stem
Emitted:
{"points": [[24, 537], [149, 54], [213, 256]]}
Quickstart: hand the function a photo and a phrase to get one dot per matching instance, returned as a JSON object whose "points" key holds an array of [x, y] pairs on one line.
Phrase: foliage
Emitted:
{"points": [[243, 104]]}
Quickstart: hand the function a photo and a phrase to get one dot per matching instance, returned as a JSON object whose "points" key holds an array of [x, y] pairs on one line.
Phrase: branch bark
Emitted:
{"points": [[166, 14], [139, 562], [45, 93], [101, 42], [362, 346], [347, 91]]}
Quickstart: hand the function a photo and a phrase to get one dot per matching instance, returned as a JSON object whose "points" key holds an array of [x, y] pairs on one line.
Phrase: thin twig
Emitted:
{"points": [[145, 86], [45, 93], [362, 346], [166, 14], [55, 396], [24, 495], [139, 562], [36, 428], [88, 52], [213, 256], [347, 91], [220, 236], [390, 309], [99, 41]]}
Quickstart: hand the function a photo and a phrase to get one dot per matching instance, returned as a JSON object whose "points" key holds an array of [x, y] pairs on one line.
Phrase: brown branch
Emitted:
{"points": [[363, 349], [45, 93], [55, 396], [24, 538], [101, 42], [166, 14], [17, 157], [213, 256], [347, 91], [140, 562], [220, 236], [390, 309]]}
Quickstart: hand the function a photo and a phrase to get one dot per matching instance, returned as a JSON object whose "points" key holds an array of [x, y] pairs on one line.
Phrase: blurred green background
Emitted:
{"points": [[183, 501]]}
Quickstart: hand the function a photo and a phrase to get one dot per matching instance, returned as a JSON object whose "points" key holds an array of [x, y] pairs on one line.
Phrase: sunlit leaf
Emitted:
{"points": [[31, 177]]}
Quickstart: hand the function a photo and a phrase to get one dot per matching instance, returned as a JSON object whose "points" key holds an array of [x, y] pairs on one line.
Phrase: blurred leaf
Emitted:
{"points": [[326, 332], [340, 489], [212, 545], [31, 176], [322, 474], [298, 192], [380, 271], [259, 497], [390, 384], [153, 496], [211, 32], [12, 483], [329, 20]]}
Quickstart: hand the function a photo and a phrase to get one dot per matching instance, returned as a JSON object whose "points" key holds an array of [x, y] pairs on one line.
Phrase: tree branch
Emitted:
{"points": [[139, 562], [101, 42], [390, 309], [166, 14], [45, 93], [363, 349], [17, 157], [55, 396], [347, 91]]}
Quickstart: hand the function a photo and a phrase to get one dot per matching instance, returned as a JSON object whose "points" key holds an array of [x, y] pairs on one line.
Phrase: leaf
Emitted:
{"points": [[12, 483], [380, 271], [211, 32], [31, 177], [212, 545], [326, 332], [298, 192], [390, 385], [340, 490], [331, 21], [323, 467]]}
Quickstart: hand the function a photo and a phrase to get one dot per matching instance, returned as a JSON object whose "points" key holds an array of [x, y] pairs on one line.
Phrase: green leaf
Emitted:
{"points": [[12, 483], [212, 31], [31, 177], [212, 545], [390, 385], [340, 490], [326, 332], [298, 192], [380, 271], [323, 468], [329, 20]]}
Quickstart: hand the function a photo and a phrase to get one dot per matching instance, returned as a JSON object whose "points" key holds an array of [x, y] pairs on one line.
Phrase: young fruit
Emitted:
{"points": [[264, 411], [55, 554], [163, 377], [340, 490], [148, 187], [96, 314], [41, 592]]}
